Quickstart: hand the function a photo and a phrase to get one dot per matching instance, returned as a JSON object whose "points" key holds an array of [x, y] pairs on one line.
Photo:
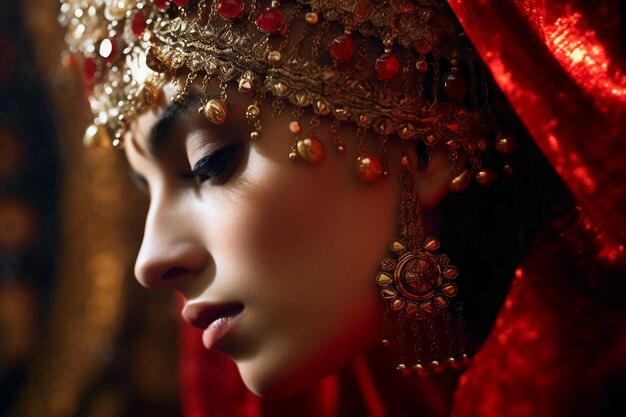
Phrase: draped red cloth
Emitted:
{"points": [[558, 347], [559, 344]]}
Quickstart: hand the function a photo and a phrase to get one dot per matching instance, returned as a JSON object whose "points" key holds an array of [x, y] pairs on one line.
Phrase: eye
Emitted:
{"points": [[217, 167]]}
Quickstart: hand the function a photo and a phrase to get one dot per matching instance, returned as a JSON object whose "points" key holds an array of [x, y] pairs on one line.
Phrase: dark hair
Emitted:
{"points": [[487, 230]]}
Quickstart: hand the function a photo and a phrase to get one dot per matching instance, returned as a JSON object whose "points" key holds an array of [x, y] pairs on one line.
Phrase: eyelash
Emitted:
{"points": [[217, 167]]}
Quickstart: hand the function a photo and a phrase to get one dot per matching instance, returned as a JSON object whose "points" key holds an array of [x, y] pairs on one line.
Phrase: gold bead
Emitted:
{"points": [[97, 137], [215, 110], [369, 168], [274, 57], [383, 279], [311, 150], [385, 342], [460, 182], [421, 65], [311, 18], [419, 369], [294, 127], [254, 135], [505, 144], [403, 369], [437, 366], [293, 155], [485, 176], [252, 112], [340, 148], [466, 360], [453, 363]]}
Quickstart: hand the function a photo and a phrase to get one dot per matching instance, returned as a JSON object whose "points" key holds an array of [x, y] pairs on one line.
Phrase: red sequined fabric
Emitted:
{"points": [[561, 65], [559, 344]]}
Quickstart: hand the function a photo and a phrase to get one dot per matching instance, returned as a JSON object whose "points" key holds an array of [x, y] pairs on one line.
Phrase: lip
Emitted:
{"points": [[217, 320]]}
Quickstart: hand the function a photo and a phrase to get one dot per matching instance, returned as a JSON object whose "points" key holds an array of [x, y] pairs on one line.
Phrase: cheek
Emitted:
{"points": [[307, 241]]}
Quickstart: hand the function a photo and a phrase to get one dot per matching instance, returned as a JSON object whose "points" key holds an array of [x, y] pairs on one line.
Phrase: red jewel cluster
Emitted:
{"points": [[270, 19], [341, 49]]}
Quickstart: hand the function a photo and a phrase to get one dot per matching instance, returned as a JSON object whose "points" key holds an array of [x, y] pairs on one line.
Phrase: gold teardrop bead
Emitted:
{"points": [[441, 301], [383, 279], [431, 244], [411, 308], [397, 304], [460, 182], [451, 272], [311, 150], [215, 110], [450, 290], [485, 176], [427, 306], [388, 294], [397, 246]]}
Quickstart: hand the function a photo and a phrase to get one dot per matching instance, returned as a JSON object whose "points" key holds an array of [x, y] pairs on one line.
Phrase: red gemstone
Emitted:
{"points": [[230, 9], [270, 20], [180, 3], [89, 69], [455, 86], [161, 4], [387, 66], [138, 25], [341, 48]]}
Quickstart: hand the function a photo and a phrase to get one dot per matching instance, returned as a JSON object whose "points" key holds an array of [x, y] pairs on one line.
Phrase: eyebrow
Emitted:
{"points": [[170, 118]]}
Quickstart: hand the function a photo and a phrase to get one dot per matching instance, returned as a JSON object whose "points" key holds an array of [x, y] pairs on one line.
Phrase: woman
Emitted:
{"points": [[295, 259]]}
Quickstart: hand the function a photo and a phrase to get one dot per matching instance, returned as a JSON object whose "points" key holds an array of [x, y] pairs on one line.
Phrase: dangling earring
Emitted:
{"points": [[417, 284]]}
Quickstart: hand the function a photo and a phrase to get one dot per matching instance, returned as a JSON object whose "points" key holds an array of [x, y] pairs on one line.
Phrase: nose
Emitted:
{"points": [[172, 252]]}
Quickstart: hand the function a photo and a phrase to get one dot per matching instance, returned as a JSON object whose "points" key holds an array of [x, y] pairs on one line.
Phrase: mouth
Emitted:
{"points": [[217, 320]]}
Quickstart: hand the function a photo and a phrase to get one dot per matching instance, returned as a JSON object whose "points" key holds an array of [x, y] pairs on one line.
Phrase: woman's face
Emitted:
{"points": [[285, 253]]}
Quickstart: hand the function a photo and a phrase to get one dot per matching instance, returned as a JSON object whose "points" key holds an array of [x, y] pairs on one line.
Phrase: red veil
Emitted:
{"points": [[558, 346]]}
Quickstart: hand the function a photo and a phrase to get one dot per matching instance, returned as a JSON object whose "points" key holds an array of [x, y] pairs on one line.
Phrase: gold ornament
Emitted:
{"points": [[216, 111], [310, 149]]}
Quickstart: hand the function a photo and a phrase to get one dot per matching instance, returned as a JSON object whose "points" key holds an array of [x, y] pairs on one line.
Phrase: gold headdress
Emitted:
{"points": [[398, 70]]}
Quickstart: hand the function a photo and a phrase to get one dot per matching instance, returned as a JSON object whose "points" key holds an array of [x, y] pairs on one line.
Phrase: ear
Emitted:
{"points": [[431, 183]]}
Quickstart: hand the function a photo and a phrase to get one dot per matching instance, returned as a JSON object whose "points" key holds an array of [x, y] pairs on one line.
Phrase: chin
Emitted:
{"points": [[269, 385], [274, 382]]}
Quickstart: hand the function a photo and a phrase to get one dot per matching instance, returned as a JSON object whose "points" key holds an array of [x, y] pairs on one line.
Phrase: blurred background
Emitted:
{"points": [[78, 335]]}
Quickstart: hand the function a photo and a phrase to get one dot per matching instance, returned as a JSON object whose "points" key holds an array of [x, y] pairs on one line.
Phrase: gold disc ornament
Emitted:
{"points": [[418, 282]]}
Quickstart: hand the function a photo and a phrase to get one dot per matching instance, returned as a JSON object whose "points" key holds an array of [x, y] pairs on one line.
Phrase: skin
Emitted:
{"points": [[297, 244]]}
